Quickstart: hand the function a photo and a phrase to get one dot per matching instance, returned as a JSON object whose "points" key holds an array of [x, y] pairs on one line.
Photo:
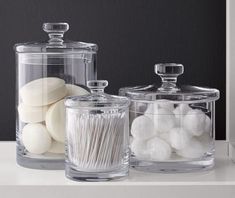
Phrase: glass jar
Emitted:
{"points": [[47, 72], [172, 128], [97, 135]]}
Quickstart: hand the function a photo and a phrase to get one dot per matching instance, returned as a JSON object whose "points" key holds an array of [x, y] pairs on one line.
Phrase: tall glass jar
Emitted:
{"points": [[47, 72], [172, 127]]}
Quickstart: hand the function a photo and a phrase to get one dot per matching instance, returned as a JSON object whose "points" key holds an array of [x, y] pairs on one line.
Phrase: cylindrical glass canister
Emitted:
{"points": [[97, 135], [46, 74], [172, 128]]}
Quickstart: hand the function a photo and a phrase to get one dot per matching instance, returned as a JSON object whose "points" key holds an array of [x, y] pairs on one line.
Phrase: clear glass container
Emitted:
{"points": [[47, 72], [97, 135], [172, 128]]}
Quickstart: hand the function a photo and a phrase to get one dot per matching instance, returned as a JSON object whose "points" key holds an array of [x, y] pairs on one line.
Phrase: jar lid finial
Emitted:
{"points": [[169, 73], [55, 31]]}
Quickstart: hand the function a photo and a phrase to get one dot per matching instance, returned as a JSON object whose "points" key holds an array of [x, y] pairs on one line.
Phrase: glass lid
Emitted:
{"points": [[55, 44], [169, 90], [97, 98]]}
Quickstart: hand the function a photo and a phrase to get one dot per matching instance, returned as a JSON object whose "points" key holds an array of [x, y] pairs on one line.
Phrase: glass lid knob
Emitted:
{"points": [[97, 86], [55, 31], [169, 73]]}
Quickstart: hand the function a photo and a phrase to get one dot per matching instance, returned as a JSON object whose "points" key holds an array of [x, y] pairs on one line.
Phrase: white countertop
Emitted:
{"points": [[16, 181]]}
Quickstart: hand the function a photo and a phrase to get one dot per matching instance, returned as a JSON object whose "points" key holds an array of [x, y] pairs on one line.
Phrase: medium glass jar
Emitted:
{"points": [[47, 72], [172, 128], [97, 135]]}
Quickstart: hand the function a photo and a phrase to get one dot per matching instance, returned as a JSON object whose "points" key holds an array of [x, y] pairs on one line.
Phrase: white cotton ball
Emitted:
{"points": [[208, 125], [165, 104], [151, 110], [164, 136], [194, 122], [206, 140], [195, 149], [36, 138], [142, 127], [181, 110], [179, 138], [164, 120], [136, 109], [138, 147], [131, 139], [158, 149]]}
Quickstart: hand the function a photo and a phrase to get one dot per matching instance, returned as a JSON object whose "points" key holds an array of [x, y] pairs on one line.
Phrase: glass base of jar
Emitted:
{"points": [[44, 163], [76, 175], [205, 163]]}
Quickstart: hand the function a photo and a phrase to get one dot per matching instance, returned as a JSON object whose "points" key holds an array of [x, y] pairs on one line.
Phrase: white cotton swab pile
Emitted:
{"points": [[96, 141]]}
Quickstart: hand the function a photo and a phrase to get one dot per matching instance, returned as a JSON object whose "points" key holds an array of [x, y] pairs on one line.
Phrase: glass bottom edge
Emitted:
{"points": [[203, 164], [42, 164], [75, 175]]}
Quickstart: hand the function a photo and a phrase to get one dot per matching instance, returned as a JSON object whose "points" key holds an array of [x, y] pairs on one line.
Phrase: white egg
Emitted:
{"points": [[138, 147], [43, 91], [195, 149], [36, 138], [142, 127], [194, 122], [179, 138], [158, 149], [164, 120], [57, 147], [74, 90], [30, 114], [55, 121]]}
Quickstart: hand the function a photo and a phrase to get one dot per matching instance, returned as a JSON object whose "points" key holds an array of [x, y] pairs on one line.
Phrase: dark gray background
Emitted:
{"points": [[132, 36]]}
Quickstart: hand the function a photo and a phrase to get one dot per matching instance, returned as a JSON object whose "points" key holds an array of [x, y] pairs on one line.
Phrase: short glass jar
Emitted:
{"points": [[47, 72], [172, 128], [97, 135]]}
